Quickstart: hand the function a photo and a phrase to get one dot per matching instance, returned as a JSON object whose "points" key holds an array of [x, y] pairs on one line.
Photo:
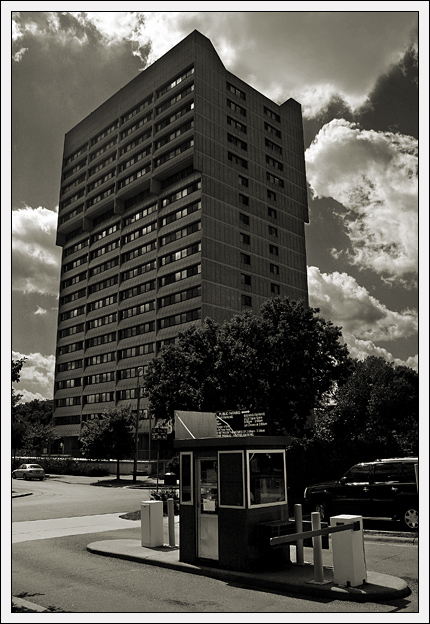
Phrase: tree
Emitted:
{"points": [[375, 414], [33, 428], [16, 376], [110, 436], [281, 361], [18, 427]]}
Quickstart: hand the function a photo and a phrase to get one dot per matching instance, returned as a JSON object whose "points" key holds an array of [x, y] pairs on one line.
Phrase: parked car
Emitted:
{"points": [[384, 488], [29, 471]]}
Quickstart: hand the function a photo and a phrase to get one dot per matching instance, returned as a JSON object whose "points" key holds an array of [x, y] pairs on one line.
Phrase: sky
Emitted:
{"points": [[355, 74]]}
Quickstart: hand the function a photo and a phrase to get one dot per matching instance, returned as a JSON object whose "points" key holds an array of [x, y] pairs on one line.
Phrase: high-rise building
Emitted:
{"points": [[183, 196]]}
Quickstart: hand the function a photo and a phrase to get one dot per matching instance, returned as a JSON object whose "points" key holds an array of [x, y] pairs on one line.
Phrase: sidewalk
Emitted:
{"points": [[291, 579]]}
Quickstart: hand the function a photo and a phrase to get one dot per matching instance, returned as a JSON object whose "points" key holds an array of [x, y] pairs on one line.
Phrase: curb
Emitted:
{"points": [[378, 588], [30, 607]]}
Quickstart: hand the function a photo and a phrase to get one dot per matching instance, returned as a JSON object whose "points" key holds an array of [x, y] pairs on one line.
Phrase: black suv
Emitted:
{"points": [[385, 488]]}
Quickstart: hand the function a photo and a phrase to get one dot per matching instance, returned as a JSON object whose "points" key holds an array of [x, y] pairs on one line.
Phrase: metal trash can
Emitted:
{"points": [[349, 563], [151, 518]]}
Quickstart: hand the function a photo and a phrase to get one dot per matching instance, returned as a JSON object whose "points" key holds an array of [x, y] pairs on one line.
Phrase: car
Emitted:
{"points": [[384, 488], [29, 471]]}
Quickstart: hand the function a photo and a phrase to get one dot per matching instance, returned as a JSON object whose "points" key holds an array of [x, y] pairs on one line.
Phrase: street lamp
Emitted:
{"points": [[136, 433]]}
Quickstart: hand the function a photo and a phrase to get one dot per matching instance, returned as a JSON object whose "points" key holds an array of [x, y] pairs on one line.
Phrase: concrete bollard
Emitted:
{"points": [[171, 519], [298, 518]]}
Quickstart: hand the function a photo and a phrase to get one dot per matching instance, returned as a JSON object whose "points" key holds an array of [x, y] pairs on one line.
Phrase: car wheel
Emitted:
{"points": [[409, 518], [323, 510]]}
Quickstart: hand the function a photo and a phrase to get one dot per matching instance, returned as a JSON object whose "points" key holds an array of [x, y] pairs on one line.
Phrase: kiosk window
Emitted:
{"points": [[266, 477], [186, 480], [231, 479]]}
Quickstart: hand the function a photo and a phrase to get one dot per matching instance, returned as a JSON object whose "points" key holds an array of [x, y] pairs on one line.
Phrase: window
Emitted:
{"points": [[237, 142], [245, 279], [272, 114], [181, 253], [272, 130], [178, 276], [137, 109], [274, 179], [106, 249], [274, 268], [245, 258], [136, 330], [75, 263], [246, 301], [102, 397], [180, 214], [237, 125], [136, 126], [236, 91], [102, 285], [237, 160], [139, 251], [178, 234], [273, 146], [68, 366], [100, 378], [135, 310], [135, 176], [231, 478], [102, 320], [274, 163], [245, 238], [274, 250], [271, 195], [144, 212], [179, 319], [266, 477], [175, 134], [243, 181], [244, 199], [174, 83], [275, 288], [186, 480], [100, 268], [273, 231], [101, 303], [236, 108], [272, 213], [100, 340], [146, 229], [68, 401], [168, 103], [243, 218], [191, 188], [174, 116], [140, 270], [143, 349], [184, 295]]}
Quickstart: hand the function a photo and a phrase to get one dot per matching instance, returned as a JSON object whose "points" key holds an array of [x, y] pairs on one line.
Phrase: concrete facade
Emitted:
{"points": [[183, 197]]}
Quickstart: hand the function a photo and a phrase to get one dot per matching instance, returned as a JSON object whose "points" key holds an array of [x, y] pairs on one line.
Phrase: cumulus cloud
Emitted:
{"points": [[38, 369], [365, 321], [40, 310], [301, 48], [35, 257], [374, 176], [27, 396]]}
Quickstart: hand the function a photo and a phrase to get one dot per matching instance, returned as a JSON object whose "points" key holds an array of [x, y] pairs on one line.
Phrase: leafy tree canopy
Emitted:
{"points": [[282, 362], [376, 408], [109, 437]]}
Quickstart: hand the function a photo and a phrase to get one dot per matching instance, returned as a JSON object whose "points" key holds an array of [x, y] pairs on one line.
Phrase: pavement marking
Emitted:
{"points": [[61, 527]]}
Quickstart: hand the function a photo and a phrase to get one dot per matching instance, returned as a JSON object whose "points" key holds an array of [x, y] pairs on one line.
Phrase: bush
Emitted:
{"points": [[163, 495], [64, 466]]}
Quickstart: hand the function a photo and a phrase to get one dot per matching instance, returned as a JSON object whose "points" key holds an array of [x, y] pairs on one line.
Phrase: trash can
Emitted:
{"points": [[349, 565], [170, 478], [151, 519]]}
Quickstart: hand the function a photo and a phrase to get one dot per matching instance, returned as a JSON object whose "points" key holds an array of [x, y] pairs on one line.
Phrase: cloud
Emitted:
{"points": [[40, 310], [374, 176], [364, 320], [301, 48], [38, 370], [27, 396], [35, 257]]}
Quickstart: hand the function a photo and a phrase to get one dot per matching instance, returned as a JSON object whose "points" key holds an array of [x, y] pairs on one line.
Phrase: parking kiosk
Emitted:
{"points": [[230, 489]]}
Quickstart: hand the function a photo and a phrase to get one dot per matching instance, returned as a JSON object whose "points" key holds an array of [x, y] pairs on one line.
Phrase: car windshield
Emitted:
{"points": [[35, 466]]}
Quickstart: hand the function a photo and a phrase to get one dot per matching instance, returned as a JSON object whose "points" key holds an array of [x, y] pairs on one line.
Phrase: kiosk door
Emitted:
{"points": [[207, 509]]}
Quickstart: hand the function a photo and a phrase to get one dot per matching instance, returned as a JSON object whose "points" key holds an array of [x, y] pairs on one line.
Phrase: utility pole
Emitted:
{"points": [[136, 433]]}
